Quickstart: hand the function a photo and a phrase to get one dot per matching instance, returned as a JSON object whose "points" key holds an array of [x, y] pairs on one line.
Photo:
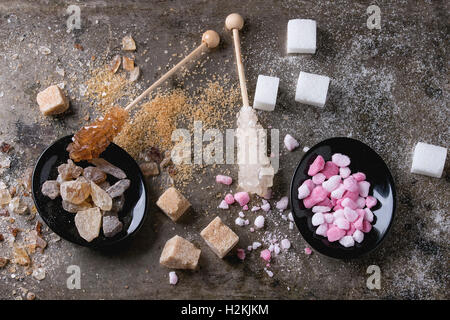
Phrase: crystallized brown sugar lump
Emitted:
{"points": [[111, 225], [50, 189], [20, 256], [74, 208], [108, 168], [173, 203], [17, 205], [52, 101], [94, 174], [75, 191], [91, 140], [178, 253], [149, 169], [100, 197], [5, 196], [118, 203], [118, 188], [219, 237], [88, 223], [69, 170]]}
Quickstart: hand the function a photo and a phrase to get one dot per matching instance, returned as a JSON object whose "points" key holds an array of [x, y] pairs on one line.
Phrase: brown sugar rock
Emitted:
{"points": [[100, 197], [50, 188], [74, 208], [94, 174], [117, 189], [75, 191], [173, 203], [178, 253], [111, 224], [52, 101], [219, 237], [88, 223], [69, 170]]}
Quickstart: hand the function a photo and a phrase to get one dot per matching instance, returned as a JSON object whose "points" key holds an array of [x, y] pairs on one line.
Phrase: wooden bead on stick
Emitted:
{"points": [[234, 21], [211, 38]]}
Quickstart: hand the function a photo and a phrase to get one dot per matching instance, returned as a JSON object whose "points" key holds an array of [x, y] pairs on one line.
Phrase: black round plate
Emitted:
{"points": [[62, 222], [382, 187]]}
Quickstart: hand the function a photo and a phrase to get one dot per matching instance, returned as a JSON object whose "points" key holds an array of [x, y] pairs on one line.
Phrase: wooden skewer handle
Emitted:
{"points": [[240, 66], [169, 73]]}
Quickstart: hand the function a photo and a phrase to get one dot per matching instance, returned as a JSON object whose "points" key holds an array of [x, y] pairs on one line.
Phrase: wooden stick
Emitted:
{"points": [[235, 22], [210, 39]]}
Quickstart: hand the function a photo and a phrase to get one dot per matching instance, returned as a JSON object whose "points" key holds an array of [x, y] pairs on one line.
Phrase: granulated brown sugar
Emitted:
{"points": [[104, 88], [154, 121]]}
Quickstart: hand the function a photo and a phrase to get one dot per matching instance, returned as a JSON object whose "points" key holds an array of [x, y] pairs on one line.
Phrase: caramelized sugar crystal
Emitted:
{"points": [[93, 139]]}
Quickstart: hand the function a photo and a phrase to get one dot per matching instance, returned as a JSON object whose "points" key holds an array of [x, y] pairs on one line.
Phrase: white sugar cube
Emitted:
{"points": [[429, 160], [301, 36], [266, 93], [312, 89]]}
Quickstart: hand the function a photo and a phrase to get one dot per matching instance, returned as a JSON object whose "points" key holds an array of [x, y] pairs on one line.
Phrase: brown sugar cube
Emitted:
{"points": [[178, 253], [52, 101], [219, 237], [173, 203]]}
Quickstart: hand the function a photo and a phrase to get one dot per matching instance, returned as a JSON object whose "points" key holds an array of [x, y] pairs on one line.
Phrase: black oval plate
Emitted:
{"points": [[382, 187], [62, 222]]}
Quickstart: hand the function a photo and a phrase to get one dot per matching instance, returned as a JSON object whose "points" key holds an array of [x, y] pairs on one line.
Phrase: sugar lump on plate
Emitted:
{"points": [[266, 93], [312, 89], [301, 36], [429, 160], [88, 223], [111, 224], [100, 197], [75, 191], [118, 188]]}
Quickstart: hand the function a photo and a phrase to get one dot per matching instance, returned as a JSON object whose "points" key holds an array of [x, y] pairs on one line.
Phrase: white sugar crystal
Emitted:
{"points": [[259, 222], [350, 214], [239, 221], [285, 244], [332, 183], [342, 223], [428, 160], [173, 278], [358, 236], [266, 93], [322, 230], [329, 218], [312, 89], [338, 214], [282, 203], [291, 225], [276, 249], [303, 191], [301, 36], [320, 209], [290, 216], [290, 143], [317, 219], [256, 245], [347, 241], [223, 205], [368, 215]]}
